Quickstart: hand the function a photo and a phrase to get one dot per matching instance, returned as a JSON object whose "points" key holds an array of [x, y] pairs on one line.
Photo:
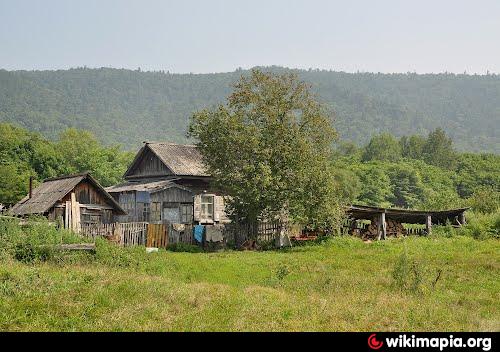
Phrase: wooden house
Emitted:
{"points": [[79, 197], [169, 182]]}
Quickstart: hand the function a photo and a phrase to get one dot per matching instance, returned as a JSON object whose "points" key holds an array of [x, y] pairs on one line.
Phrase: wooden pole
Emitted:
{"points": [[67, 215], [428, 224], [384, 226], [381, 227], [73, 211], [462, 218]]}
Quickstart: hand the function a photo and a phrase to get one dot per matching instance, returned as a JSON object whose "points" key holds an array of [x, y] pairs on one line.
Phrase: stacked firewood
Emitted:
{"points": [[393, 228]]}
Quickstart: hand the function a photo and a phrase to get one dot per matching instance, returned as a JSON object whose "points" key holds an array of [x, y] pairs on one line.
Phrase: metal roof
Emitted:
{"points": [[52, 190]]}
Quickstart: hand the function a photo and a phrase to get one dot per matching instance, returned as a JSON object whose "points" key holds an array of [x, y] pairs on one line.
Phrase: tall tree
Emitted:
{"points": [[438, 150], [269, 148], [413, 146], [383, 147]]}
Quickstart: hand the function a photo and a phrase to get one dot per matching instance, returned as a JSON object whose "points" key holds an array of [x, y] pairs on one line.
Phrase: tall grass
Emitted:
{"points": [[479, 226], [32, 240]]}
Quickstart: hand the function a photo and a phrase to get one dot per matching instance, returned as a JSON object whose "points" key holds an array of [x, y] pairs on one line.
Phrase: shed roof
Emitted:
{"points": [[146, 186], [47, 194], [404, 215], [181, 159]]}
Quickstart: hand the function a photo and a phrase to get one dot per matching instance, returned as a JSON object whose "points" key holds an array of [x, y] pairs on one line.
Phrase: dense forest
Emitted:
{"points": [[127, 107], [24, 154], [410, 172]]}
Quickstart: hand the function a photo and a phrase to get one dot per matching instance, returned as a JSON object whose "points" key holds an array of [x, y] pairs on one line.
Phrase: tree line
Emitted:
{"points": [[418, 172], [128, 107], [24, 154], [409, 172]]}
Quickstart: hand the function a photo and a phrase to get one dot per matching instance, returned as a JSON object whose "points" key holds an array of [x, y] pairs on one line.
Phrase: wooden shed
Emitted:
{"points": [[72, 200], [389, 221]]}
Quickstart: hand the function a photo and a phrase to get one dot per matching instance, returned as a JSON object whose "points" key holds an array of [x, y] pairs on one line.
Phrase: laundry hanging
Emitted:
{"points": [[198, 233]]}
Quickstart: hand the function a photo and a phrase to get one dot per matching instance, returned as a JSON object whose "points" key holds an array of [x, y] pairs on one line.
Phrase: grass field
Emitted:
{"points": [[440, 284]]}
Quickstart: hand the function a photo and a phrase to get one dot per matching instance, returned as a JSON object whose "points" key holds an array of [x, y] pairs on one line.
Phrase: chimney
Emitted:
{"points": [[31, 187]]}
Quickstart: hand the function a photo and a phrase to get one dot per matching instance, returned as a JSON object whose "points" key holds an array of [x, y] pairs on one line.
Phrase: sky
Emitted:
{"points": [[221, 35]]}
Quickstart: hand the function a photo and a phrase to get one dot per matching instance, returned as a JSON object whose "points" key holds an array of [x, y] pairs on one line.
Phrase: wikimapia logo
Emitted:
{"points": [[373, 343], [404, 341]]}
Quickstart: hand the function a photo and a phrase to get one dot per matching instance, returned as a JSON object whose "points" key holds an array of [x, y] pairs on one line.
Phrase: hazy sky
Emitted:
{"points": [[217, 35]]}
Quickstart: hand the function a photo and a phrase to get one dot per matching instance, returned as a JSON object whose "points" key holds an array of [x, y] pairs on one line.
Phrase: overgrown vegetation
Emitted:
{"points": [[441, 284], [418, 172], [24, 154], [33, 241]]}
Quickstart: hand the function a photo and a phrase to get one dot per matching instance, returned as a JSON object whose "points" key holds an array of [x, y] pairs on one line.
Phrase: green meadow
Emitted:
{"points": [[435, 283]]}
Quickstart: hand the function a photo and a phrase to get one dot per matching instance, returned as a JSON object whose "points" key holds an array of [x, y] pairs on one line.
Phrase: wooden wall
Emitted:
{"points": [[169, 197], [149, 166], [173, 195], [86, 193], [133, 202]]}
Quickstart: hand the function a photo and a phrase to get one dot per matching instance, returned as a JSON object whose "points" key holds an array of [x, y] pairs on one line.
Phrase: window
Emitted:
{"points": [[186, 213], [127, 202], [88, 218], [207, 207], [143, 209], [155, 211]]}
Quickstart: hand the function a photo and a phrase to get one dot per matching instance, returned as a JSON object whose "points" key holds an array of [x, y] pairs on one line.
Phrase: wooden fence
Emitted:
{"points": [[140, 233], [416, 231], [163, 234], [236, 233], [157, 235], [126, 234]]}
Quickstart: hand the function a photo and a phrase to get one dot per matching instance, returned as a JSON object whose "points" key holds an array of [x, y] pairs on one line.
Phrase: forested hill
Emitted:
{"points": [[128, 107]]}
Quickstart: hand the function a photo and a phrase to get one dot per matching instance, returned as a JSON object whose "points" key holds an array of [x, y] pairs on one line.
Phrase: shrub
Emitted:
{"points": [[409, 275], [184, 247], [482, 226], [479, 226], [485, 200], [32, 241]]}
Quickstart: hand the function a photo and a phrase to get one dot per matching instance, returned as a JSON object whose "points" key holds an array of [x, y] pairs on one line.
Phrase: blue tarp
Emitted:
{"points": [[198, 232]]}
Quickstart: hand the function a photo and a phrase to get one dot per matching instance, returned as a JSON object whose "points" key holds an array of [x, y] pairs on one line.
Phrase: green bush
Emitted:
{"points": [[33, 240], [184, 247], [479, 226]]}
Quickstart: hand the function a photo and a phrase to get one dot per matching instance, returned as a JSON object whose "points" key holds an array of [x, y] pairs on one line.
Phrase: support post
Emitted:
{"points": [[382, 227], [462, 218], [428, 224]]}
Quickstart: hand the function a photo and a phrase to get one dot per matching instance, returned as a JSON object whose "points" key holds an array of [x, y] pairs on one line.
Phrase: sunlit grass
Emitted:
{"points": [[343, 284]]}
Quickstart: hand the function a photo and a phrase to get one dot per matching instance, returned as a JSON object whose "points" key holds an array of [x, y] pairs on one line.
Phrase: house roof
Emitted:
{"points": [[404, 215], [181, 159], [52, 190], [146, 186]]}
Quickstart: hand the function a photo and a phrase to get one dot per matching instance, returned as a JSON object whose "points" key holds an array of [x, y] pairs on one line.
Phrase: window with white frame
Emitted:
{"points": [[207, 207]]}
